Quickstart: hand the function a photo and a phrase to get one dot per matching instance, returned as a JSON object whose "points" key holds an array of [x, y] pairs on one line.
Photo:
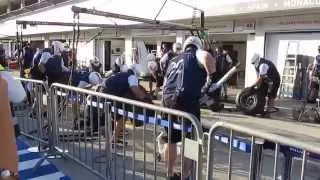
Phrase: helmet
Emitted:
{"points": [[57, 47], [177, 47], [192, 40], [95, 78], [152, 66], [255, 59], [135, 69], [150, 57]]}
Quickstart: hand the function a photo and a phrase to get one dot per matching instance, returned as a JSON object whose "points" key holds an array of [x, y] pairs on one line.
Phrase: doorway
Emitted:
{"points": [[107, 55]]}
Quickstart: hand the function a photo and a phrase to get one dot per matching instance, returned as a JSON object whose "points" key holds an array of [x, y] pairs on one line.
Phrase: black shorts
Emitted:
{"points": [[273, 92], [187, 105]]}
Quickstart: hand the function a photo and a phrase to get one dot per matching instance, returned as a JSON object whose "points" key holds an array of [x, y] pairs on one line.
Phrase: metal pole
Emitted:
{"points": [[106, 26], [131, 18], [287, 166]]}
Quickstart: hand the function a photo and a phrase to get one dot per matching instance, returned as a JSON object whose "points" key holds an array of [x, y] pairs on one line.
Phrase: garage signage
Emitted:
{"points": [[220, 27], [304, 22], [245, 26]]}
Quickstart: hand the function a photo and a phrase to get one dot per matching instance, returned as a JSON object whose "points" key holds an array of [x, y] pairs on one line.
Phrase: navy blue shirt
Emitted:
{"points": [[78, 76], [272, 73], [194, 76], [117, 84]]}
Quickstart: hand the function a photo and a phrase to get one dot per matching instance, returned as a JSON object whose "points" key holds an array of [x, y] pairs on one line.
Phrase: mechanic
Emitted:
{"points": [[314, 79], [199, 73], [54, 66], [155, 74], [85, 79], [123, 84], [268, 80]]}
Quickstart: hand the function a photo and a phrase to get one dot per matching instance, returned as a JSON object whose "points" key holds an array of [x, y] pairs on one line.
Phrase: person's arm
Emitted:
{"points": [[209, 64], [163, 61], [84, 85], [8, 150], [229, 60], [263, 70], [43, 60], [64, 69]]}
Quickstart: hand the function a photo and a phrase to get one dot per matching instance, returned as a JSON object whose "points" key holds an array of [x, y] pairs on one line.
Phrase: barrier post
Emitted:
{"points": [[256, 159]]}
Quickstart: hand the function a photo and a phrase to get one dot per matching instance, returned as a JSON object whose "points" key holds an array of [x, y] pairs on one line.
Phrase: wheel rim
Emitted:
{"points": [[248, 102]]}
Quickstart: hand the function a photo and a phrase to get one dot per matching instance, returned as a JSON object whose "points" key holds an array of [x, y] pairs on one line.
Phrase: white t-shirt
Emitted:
{"points": [[133, 81], [16, 91], [263, 69], [82, 84]]}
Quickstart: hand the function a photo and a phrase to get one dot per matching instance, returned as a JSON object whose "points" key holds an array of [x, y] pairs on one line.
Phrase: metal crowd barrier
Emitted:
{"points": [[259, 140], [86, 134], [33, 116]]}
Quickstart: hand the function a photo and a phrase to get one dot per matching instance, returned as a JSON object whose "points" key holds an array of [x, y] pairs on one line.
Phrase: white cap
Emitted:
{"points": [[192, 40], [255, 59], [58, 47], [95, 78]]}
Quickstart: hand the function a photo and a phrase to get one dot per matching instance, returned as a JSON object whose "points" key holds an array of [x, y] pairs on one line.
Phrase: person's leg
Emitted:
{"points": [[225, 89], [150, 84], [170, 149], [272, 95], [170, 156], [118, 130]]}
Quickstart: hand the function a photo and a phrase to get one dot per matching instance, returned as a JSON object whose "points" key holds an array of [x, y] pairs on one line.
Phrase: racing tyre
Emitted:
{"points": [[250, 102]]}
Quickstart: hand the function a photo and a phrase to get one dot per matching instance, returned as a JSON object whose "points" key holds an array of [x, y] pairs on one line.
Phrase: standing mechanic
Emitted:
{"points": [[314, 79], [268, 79], [53, 65], [199, 73]]}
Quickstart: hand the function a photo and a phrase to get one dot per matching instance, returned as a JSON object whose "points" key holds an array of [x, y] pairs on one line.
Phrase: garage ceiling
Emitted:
{"points": [[29, 5]]}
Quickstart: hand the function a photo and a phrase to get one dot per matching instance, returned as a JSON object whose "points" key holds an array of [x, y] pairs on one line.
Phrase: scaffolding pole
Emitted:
{"points": [[106, 26], [76, 9]]}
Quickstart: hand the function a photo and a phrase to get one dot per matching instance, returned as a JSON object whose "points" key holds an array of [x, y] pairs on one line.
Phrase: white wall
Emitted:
{"points": [[99, 51], [85, 52], [255, 44]]}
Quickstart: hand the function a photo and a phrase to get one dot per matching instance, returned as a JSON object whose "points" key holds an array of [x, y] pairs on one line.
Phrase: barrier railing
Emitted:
{"points": [[116, 138], [88, 127], [33, 117], [259, 139]]}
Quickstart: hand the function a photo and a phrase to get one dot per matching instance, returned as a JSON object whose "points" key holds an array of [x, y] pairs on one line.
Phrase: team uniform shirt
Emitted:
{"points": [[120, 83], [263, 69], [80, 79], [316, 66]]}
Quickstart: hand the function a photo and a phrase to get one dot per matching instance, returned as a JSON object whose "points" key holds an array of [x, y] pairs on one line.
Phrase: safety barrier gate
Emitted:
{"points": [[260, 140], [116, 138], [81, 125], [33, 117]]}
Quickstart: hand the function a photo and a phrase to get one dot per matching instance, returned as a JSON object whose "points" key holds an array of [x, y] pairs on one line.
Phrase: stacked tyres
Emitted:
{"points": [[250, 101]]}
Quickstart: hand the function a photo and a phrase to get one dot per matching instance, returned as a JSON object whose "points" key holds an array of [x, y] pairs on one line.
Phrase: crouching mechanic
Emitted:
{"points": [[126, 85], [85, 79], [198, 72], [268, 79]]}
